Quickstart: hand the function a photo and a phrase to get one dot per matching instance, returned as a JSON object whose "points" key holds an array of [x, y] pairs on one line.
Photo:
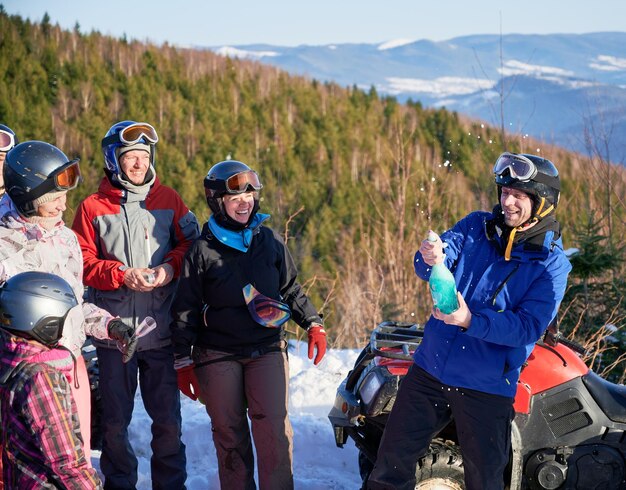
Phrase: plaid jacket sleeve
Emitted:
{"points": [[52, 422]]}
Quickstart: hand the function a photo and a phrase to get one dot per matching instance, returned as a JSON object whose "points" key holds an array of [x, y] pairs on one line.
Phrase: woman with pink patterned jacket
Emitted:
{"points": [[33, 237]]}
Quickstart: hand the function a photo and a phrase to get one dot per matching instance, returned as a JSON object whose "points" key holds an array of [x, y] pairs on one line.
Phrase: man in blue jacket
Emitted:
{"points": [[511, 273]]}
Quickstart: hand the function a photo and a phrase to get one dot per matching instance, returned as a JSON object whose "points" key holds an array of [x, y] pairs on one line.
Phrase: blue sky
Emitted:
{"points": [[293, 22]]}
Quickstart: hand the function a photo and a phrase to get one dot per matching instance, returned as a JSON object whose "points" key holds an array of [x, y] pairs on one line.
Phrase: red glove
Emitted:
{"points": [[187, 381], [317, 338]]}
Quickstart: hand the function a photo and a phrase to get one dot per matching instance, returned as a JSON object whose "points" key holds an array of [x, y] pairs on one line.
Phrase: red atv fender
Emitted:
{"points": [[541, 372]]}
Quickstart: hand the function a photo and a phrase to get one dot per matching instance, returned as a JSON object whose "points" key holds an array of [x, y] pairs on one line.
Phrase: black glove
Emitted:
{"points": [[125, 336]]}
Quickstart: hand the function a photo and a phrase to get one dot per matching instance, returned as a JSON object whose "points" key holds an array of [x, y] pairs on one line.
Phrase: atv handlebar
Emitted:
{"points": [[575, 346], [553, 337]]}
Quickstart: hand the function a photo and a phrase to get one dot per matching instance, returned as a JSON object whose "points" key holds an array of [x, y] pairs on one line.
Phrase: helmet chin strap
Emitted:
{"points": [[509, 245], [523, 227], [542, 213]]}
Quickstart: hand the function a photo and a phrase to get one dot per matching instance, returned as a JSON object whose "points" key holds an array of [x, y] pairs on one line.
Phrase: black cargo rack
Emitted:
{"points": [[396, 340]]}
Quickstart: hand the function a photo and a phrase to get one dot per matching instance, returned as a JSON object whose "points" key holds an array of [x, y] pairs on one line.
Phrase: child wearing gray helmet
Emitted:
{"points": [[40, 426]]}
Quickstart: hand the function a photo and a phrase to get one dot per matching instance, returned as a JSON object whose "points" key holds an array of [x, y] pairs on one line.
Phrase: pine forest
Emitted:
{"points": [[352, 179]]}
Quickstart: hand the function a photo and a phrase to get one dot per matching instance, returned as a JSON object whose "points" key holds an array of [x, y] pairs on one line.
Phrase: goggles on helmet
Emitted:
{"points": [[520, 167], [133, 134], [68, 176], [7, 140], [238, 183], [64, 178]]}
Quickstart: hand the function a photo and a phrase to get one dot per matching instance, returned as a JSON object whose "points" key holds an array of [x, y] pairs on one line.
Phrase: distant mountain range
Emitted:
{"points": [[557, 87]]}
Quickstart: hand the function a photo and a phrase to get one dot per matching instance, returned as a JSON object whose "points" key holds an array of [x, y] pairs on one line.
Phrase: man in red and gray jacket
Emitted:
{"points": [[133, 234]]}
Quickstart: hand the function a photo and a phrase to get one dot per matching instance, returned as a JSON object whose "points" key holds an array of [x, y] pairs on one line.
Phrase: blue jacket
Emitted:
{"points": [[512, 303]]}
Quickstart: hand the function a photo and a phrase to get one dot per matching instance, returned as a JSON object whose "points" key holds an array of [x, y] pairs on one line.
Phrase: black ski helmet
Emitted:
{"points": [[34, 168], [8, 139], [35, 305], [534, 175], [230, 177]]}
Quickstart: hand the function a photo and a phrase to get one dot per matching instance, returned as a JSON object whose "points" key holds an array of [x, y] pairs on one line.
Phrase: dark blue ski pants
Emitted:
{"points": [[154, 369], [422, 408]]}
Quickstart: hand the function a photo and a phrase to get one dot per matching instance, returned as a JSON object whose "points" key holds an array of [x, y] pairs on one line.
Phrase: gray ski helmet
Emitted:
{"points": [[35, 304], [8, 139], [542, 183], [34, 168], [228, 177]]}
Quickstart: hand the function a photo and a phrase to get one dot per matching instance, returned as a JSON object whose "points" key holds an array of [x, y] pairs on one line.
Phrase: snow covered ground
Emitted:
{"points": [[318, 463]]}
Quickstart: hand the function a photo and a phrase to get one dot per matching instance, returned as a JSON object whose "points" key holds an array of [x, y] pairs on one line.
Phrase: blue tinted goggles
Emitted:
{"points": [[520, 167]]}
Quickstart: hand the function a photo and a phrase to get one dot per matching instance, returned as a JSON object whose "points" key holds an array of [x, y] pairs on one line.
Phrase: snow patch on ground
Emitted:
{"points": [[318, 463]]}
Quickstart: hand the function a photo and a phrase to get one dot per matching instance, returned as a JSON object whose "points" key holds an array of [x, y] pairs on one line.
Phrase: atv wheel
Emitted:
{"points": [[441, 468]]}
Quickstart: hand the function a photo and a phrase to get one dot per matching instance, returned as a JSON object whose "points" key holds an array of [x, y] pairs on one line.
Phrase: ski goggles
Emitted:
{"points": [[64, 178], [68, 176], [132, 134], [519, 166], [264, 310], [136, 132], [238, 183], [7, 140]]}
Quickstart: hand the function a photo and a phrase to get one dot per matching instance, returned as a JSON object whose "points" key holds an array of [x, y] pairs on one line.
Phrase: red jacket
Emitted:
{"points": [[118, 228]]}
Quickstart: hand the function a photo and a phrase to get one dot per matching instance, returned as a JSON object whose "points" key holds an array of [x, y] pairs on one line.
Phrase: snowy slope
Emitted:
{"points": [[318, 463]]}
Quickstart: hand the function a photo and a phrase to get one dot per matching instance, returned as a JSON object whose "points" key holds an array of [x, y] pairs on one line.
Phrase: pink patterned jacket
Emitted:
{"points": [[25, 246], [40, 428]]}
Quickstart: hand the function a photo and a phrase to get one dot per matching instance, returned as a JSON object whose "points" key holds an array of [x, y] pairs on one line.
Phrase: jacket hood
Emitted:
{"points": [[112, 189], [15, 350]]}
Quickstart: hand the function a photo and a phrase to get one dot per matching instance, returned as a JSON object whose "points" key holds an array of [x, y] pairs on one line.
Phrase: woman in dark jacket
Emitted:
{"points": [[237, 289]]}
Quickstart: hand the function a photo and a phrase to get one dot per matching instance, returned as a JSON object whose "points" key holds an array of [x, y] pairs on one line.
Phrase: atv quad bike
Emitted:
{"points": [[569, 430]]}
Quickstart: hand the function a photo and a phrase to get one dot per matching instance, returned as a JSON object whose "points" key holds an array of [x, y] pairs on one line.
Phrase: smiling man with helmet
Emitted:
{"points": [[510, 272], [134, 232]]}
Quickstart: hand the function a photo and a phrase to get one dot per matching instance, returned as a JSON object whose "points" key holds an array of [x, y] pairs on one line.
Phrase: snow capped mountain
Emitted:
{"points": [[608, 63], [242, 53], [553, 86], [394, 44], [439, 87]]}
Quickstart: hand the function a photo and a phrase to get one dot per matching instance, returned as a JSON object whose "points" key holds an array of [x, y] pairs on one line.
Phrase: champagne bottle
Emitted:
{"points": [[442, 285]]}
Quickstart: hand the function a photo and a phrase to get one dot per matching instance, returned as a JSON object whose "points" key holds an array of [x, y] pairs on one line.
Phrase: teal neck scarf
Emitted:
{"points": [[237, 239]]}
